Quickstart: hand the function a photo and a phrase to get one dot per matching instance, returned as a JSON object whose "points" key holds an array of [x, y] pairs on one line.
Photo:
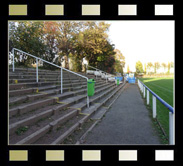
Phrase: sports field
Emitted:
{"points": [[163, 87]]}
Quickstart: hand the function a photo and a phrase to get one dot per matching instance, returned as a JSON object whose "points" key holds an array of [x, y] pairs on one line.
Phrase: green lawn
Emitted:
{"points": [[163, 87]]}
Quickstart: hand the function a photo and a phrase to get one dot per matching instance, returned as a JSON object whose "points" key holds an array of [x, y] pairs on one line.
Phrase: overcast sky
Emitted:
{"points": [[147, 41]]}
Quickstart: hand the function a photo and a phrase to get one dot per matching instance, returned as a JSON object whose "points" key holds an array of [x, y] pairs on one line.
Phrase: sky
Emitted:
{"points": [[145, 41]]}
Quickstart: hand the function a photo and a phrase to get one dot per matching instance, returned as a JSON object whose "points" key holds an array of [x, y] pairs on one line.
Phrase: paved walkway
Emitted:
{"points": [[126, 122]]}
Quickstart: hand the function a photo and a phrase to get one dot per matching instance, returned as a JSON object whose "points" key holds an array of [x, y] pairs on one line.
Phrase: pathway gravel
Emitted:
{"points": [[127, 122]]}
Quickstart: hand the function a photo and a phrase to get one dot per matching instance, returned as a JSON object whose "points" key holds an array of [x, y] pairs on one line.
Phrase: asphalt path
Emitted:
{"points": [[127, 122]]}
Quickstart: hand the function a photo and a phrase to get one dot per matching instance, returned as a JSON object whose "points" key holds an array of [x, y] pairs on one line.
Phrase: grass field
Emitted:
{"points": [[163, 87]]}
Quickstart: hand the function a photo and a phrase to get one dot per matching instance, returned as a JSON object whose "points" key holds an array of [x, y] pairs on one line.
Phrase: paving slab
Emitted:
{"points": [[127, 122]]}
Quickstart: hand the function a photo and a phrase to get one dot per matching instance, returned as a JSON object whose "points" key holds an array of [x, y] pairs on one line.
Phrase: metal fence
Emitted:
{"points": [[145, 91], [100, 71], [61, 69]]}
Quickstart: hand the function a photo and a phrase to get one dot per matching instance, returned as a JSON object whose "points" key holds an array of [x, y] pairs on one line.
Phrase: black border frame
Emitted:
{"points": [[73, 153]]}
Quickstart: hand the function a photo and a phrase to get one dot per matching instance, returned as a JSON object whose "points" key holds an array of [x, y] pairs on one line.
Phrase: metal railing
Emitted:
{"points": [[61, 69], [142, 87], [99, 70]]}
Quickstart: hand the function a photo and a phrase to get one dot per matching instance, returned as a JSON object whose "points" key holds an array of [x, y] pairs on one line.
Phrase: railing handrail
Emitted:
{"points": [[50, 63], [62, 68], [99, 70], [160, 99]]}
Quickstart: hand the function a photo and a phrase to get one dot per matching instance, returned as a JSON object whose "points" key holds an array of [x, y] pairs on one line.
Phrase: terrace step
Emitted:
{"points": [[99, 114], [24, 108], [70, 101], [51, 125], [45, 115], [80, 106], [31, 69], [92, 108], [15, 81], [96, 112], [28, 85], [32, 97], [31, 90]]}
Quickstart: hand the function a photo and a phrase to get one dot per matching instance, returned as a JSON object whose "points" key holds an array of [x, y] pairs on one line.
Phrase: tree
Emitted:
{"points": [[67, 29], [171, 64], [27, 36], [145, 68], [149, 65], [120, 61], [128, 69], [92, 43], [118, 67], [139, 67], [51, 33], [164, 66], [96, 44], [64, 39], [156, 66]]}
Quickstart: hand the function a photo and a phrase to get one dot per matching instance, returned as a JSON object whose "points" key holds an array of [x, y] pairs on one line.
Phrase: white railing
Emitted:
{"points": [[143, 87], [61, 69], [100, 71]]}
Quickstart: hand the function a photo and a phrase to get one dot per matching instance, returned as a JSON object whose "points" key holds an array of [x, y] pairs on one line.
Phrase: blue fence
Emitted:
{"points": [[160, 99], [142, 87]]}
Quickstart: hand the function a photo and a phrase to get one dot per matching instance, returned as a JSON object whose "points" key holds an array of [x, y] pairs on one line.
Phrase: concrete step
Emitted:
{"points": [[31, 97], [35, 84], [106, 99], [76, 126], [30, 120], [96, 113], [30, 105], [30, 90], [38, 134], [33, 73], [25, 75], [99, 114], [57, 136], [99, 96], [28, 85], [27, 107], [15, 81], [82, 90], [80, 106], [13, 127], [50, 116], [53, 123], [30, 69], [63, 134]]}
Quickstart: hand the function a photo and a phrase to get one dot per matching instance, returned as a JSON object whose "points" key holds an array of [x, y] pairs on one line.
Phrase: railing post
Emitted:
{"points": [[87, 99], [144, 92], [154, 106], [140, 85], [13, 60], [36, 70], [61, 74], [147, 97], [171, 129]]}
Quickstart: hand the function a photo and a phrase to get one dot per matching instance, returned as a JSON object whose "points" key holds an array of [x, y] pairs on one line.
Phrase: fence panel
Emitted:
{"points": [[157, 103]]}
